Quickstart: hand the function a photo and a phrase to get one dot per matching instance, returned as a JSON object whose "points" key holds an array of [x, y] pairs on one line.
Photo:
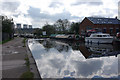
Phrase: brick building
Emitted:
{"points": [[105, 25]]}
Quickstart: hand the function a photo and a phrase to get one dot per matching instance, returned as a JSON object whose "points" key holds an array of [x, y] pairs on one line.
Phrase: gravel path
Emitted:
{"points": [[13, 55]]}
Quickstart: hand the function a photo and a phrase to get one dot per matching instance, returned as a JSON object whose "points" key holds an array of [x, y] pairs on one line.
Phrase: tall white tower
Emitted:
{"points": [[30, 26], [18, 26], [25, 26]]}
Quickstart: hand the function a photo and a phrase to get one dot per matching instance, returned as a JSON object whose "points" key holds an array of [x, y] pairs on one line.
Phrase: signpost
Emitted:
{"points": [[44, 33]]}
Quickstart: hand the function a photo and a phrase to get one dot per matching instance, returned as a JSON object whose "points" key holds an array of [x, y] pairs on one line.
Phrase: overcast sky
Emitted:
{"points": [[40, 12]]}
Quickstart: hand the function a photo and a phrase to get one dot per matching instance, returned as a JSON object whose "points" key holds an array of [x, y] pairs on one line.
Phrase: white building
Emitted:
{"points": [[18, 25], [25, 26], [30, 26]]}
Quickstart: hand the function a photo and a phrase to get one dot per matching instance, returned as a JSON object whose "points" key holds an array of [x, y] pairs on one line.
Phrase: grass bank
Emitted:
{"points": [[5, 41], [27, 74], [24, 42]]}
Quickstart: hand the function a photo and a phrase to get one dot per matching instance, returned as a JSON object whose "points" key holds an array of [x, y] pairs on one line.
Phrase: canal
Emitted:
{"points": [[74, 59]]}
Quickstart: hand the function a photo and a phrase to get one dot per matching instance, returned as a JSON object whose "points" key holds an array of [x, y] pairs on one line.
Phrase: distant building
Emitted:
{"points": [[18, 26], [30, 26], [105, 25], [24, 26]]}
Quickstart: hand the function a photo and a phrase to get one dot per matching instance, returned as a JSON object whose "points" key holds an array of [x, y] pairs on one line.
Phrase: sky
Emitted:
{"points": [[40, 12]]}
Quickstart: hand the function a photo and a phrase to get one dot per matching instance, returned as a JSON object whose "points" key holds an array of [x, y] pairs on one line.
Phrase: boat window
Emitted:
{"points": [[99, 35], [104, 35], [108, 35], [94, 36]]}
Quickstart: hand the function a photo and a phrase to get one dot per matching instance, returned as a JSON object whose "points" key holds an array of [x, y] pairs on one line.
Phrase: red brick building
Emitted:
{"points": [[105, 25]]}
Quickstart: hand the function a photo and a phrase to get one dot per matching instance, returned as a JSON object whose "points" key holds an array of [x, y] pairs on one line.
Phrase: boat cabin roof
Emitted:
{"points": [[100, 35]]}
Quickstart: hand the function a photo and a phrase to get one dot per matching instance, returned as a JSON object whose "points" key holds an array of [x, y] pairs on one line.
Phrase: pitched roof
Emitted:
{"points": [[98, 20]]}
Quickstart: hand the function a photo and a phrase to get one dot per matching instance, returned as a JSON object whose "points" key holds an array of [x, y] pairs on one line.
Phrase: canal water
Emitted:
{"points": [[74, 59]]}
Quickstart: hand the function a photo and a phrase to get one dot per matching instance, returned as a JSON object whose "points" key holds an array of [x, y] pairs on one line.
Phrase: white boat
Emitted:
{"points": [[99, 38]]}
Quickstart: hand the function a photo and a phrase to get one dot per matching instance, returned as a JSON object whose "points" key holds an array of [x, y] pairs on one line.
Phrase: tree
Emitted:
{"points": [[74, 28], [50, 29], [37, 32], [7, 25], [7, 28], [62, 26]]}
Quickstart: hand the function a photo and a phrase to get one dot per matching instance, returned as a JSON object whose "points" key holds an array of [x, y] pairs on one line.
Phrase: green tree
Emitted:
{"points": [[37, 32], [50, 29], [7, 25], [7, 28], [62, 26], [74, 28]]}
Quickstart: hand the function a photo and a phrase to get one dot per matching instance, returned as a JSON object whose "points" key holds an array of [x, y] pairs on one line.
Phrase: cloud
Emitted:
{"points": [[16, 10], [38, 16], [86, 68], [39, 12], [119, 10], [57, 63], [55, 4], [89, 8], [111, 69], [89, 3], [10, 6]]}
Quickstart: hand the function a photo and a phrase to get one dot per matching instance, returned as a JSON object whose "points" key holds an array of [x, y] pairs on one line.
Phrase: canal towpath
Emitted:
{"points": [[13, 59]]}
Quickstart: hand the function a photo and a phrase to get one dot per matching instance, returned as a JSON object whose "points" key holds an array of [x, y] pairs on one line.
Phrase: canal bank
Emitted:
{"points": [[33, 66], [14, 54]]}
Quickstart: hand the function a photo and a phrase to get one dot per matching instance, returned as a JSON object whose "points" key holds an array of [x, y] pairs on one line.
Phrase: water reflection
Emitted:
{"points": [[57, 59], [101, 50], [55, 44]]}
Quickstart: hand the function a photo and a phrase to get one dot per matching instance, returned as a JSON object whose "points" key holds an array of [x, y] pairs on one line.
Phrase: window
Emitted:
{"points": [[117, 30], [96, 29], [94, 35], [99, 19], [111, 30], [109, 22], [104, 30], [99, 35], [89, 27], [104, 36], [97, 22]]}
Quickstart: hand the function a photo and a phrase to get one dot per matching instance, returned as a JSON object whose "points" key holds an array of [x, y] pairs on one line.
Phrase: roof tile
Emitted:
{"points": [[98, 20]]}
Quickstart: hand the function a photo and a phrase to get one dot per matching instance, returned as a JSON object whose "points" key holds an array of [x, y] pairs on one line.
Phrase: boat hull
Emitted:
{"points": [[98, 40]]}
